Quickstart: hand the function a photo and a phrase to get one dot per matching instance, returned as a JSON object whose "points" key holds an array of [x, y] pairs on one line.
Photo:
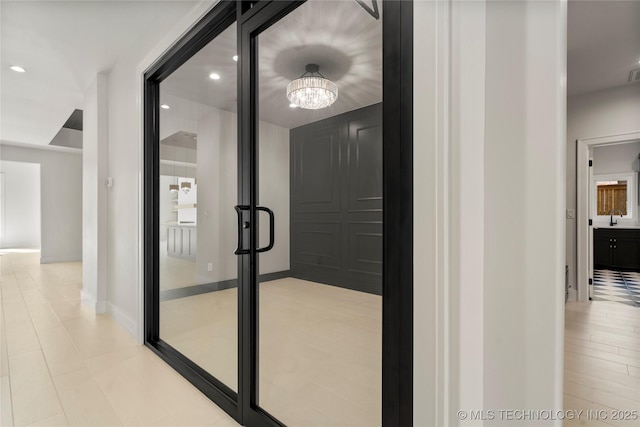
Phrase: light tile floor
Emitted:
{"points": [[62, 365], [602, 362], [319, 350]]}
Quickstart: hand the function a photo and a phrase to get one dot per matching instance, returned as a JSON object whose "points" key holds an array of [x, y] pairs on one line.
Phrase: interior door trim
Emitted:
{"points": [[397, 214]]}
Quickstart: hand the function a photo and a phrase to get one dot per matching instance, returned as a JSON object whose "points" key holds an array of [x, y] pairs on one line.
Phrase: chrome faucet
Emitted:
{"points": [[611, 223]]}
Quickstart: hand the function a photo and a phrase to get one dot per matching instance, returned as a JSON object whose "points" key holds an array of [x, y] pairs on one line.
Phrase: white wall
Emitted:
{"points": [[218, 178], [489, 126], [616, 158], [468, 75], [431, 354], [94, 192], [274, 192], [524, 170], [598, 114], [124, 209], [217, 187], [166, 206], [20, 215], [61, 199]]}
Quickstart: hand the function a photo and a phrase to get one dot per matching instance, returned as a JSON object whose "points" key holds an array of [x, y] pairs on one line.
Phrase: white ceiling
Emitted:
{"points": [[339, 36], [603, 44], [63, 44]]}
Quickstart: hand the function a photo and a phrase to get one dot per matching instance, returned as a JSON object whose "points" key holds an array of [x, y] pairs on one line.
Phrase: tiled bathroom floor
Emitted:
{"points": [[616, 286]]}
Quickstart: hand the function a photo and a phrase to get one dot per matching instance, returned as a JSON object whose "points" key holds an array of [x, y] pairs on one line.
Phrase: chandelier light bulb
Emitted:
{"points": [[312, 91]]}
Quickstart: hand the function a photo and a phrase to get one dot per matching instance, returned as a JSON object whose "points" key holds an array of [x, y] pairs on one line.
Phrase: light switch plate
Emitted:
{"points": [[571, 213]]}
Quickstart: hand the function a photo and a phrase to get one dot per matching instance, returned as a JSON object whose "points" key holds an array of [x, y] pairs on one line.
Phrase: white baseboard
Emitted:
{"points": [[573, 295], [123, 320], [52, 259], [98, 307]]}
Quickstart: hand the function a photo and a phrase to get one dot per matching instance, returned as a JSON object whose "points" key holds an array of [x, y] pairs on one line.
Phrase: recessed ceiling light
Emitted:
{"points": [[165, 106], [292, 105], [214, 76], [235, 58], [17, 69]]}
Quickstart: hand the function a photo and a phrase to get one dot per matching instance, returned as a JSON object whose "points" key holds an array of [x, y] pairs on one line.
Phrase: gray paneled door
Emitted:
{"points": [[336, 200]]}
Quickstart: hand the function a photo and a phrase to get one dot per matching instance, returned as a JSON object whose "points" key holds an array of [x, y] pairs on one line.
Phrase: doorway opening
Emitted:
{"points": [[594, 229], [20, 206]]}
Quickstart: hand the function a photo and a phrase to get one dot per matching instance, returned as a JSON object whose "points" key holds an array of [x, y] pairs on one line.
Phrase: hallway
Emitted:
{"points": [[62, 365]]}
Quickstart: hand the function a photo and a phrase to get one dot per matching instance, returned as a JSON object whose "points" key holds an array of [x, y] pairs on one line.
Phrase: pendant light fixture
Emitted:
{"points": [[312, 90]]}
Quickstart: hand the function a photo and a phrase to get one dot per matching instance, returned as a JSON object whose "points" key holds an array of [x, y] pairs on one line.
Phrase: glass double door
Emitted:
{"points": [[264, 275]]}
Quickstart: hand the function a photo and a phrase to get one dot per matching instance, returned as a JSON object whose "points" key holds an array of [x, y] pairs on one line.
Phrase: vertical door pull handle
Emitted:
{"points": [[271, 228], [241, 226]]}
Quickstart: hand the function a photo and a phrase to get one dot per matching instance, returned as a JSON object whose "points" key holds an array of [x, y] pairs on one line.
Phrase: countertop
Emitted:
{"points": [[621, 226]]}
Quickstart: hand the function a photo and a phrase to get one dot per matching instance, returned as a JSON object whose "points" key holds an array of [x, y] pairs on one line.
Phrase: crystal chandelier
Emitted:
{"points": [[312, 91]]}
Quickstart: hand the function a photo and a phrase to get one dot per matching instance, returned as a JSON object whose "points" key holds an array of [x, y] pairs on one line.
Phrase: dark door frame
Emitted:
{"points": [[397, 353], [211, 25]]}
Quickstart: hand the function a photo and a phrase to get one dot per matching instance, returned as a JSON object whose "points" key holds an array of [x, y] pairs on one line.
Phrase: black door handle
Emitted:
{"points": [[271, 228], [241, 226]]}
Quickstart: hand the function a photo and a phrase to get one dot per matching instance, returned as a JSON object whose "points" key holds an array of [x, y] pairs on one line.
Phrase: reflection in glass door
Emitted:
{"points": [[198, 172], [192, 158], [264, 211], [319, 145]]}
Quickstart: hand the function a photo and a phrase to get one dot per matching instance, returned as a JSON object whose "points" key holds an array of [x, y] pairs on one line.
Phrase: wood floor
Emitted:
{"points": [[602, 363]]}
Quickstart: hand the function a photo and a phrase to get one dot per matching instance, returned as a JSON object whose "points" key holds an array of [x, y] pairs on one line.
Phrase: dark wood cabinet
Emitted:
{"points": [[616, 248], [602, 248]]}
